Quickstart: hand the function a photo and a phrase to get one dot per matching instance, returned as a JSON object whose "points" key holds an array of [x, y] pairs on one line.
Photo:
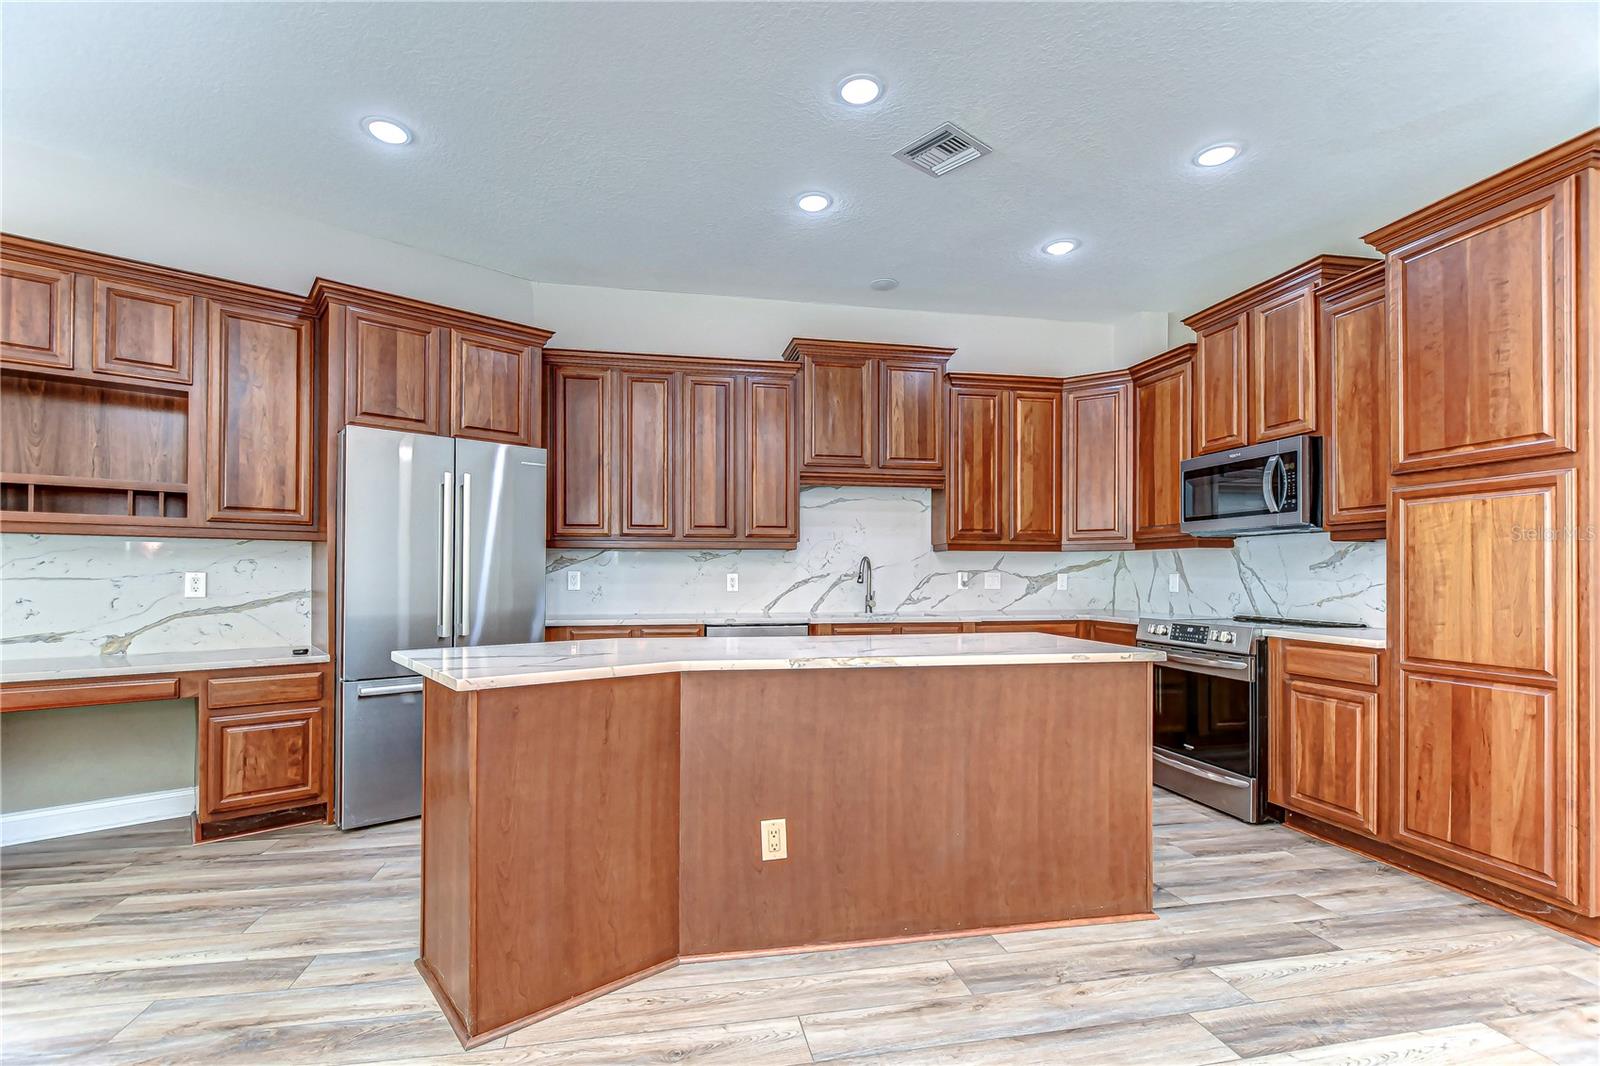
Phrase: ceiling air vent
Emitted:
{"points": [[943, 150]]}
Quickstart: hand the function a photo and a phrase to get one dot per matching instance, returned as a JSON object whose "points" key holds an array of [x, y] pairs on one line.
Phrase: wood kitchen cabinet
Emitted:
{"points": [[621, 632], [1255, 362], [874, 413], [402, 364], [1353, 360], [1163, 389], [1111, 632], [672, 451], [1097, 461], [1323, 730], [1003, 486]]}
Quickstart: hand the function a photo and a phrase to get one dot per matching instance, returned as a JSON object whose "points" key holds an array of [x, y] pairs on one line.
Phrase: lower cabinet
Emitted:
{"points": [[1111, 632], [1323, 732], [264, 751]]}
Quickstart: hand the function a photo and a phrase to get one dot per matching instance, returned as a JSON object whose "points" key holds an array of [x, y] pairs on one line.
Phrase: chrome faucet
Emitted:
{"points": [[864, 576]]}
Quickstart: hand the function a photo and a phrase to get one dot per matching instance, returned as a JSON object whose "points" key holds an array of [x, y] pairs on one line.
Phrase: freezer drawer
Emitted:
{"points": [[380, 751]]}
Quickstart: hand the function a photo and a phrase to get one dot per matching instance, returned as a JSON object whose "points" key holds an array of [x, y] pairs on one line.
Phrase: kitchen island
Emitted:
{"points": [[593, 811]]}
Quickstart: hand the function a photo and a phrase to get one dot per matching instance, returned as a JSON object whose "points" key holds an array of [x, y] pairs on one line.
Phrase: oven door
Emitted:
{"points": [[1266, 488], [1208, 734]]}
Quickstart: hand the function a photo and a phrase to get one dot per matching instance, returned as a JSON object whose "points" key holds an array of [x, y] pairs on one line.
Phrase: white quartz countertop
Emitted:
{"points": [[516, 665], [63, 667], [681, 618]]}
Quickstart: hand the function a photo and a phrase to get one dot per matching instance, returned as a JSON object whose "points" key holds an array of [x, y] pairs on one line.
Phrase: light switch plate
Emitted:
{"points": [[962, 577], [574, 580], [1061, 582], [194, 584], [1172, 582], [991, 580], [733, 582]]}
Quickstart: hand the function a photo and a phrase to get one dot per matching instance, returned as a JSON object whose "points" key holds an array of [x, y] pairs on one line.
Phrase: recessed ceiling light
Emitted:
{"points": [[386, 130], [859, 90], [1060, 247], [1216, 155], [883, 284], [812, 202]]}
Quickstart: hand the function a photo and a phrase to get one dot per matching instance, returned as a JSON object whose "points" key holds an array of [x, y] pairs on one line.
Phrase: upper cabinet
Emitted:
{"points": [[1003, 485], [1354, 375], [671, 451], [1097, 423], [137, 400], [1163, 398], [874, 413], [1255, 363], [397, 363]]}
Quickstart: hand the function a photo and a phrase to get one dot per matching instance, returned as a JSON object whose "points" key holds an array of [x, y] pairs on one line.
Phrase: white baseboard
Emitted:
{"points": [[70, 819]]}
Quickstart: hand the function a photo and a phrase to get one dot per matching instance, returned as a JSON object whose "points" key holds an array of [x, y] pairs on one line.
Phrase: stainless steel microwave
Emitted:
{"points": [[1266, 488]]}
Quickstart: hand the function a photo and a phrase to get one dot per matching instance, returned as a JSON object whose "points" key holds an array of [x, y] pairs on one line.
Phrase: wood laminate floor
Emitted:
{"points": [[133, 946]]}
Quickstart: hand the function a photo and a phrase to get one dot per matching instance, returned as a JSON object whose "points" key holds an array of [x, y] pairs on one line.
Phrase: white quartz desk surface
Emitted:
{"points": [[515, 665], [64, 667]]}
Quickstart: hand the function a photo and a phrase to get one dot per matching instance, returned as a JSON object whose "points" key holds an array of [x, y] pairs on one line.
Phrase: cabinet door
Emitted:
{"points": [[1482, 590], [839, 411], [1355, 374], [647, 492], [771, 495], [260, 452], [493, 390], [1161, 416], [910, 415], [35, 315], [1098, 464], [973, 484], [1112, 632], [1283, 367], [142, 331], [1220, 378], [1033, 461], [1483, 326], [709, 482], [581, 420], [257, 760], [1330, 761], [393, 371]]}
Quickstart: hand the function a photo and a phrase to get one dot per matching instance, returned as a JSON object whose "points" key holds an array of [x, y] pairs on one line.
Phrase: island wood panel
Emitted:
{"points": [[710, 485], [911, 415], [1354, 367], [1162, 401], [1033, 460], [394, 371], [573, 827], [771, 476], [1221, 377], [647, 428], [449, 853], [991, 846], [142, 330], [581, 452], [494, 388], [1097, 417], [261, 460], [36, 315], [1283, 366], [1483, 333]]}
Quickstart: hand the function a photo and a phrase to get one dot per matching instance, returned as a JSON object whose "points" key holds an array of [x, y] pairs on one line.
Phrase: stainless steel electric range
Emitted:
{"points": [[1210, 705]]}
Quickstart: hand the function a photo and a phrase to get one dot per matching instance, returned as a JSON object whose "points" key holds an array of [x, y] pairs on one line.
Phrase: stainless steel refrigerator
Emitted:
{"points": [[441, 544]]}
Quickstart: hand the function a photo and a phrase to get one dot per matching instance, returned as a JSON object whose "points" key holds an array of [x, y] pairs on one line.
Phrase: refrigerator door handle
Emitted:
{"points": [[446, 555], [400, 689], [464, 626]]}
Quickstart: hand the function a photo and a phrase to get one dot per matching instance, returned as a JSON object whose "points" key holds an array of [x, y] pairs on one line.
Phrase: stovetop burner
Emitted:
{"points": [[1318, 623]]}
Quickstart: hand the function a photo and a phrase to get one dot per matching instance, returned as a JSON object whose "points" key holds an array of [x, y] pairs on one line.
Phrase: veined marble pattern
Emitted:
{"points": [[73, 595], [1301, 575]]}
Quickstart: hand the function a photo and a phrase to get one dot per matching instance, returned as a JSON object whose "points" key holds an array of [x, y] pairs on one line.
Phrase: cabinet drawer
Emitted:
{"points": [[670, 631], [263, 689], [1356, 666], [88, 693]]}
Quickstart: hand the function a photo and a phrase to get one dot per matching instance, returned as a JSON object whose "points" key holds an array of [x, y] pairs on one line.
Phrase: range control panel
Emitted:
{"points": [[1220, 635]]}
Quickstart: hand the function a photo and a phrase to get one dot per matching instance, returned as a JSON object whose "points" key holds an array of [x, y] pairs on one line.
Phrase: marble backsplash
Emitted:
{"points": [[1299, 575], [75, 595]]}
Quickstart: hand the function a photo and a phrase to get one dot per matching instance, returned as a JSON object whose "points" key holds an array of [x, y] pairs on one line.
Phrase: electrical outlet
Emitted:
{"points": [[733, 582], [962, 577], [1172, 582], [991, 580], [574, 580], [774, 839], [1061, 582], [194, 584]]}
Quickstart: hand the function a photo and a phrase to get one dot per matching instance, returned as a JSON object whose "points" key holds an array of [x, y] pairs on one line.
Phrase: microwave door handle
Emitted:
{"points": [[1269, 484], [1281, 497]]}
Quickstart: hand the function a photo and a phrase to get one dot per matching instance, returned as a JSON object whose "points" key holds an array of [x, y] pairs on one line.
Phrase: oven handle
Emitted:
{"points": [[1220, 664], [1167, 760]]}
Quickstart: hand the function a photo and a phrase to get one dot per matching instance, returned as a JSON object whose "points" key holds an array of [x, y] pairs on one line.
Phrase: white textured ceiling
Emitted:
{"points": [[660, 145]]}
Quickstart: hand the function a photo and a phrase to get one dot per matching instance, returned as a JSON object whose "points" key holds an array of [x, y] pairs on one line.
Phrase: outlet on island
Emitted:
{"points": [[774, 839]]}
